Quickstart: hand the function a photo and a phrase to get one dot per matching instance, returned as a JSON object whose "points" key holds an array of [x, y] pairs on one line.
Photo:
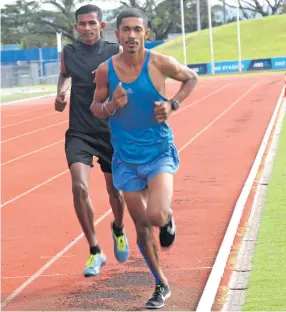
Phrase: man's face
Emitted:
{"points": [[88, 26], [132, 34]]}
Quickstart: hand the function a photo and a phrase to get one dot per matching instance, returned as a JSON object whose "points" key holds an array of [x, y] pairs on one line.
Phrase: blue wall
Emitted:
{"points": [[276, 63], [50, 54], [12, 56]]}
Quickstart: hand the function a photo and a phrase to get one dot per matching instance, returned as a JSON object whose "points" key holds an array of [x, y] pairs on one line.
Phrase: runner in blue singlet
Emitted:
{"points": [[145, 157]]}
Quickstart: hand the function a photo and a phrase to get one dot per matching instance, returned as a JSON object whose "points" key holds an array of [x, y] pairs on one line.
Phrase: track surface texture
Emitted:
{"points": [[218, 131]]}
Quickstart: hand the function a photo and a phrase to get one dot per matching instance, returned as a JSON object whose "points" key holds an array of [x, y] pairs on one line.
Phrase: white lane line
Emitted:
{"points": [[30, 153], [56, 257], [26, 111], [48, 257], [69, 274], [27, 120], [200, 100], [35, 131], [182, 109], [27, 276], [49, 263], [213, 282], [181, 149], [33, 189], [218, 117]]}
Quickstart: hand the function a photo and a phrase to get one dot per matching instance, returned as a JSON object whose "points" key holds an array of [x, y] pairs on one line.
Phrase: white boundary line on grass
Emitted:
{"points": [[259, 199], [213, 282]]}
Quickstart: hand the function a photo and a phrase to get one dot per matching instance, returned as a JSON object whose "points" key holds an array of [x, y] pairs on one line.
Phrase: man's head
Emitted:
{"points": [[89, 23], [132, 30]]}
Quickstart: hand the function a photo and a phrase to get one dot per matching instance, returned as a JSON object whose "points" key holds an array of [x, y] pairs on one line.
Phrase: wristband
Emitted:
{"points": [[107, 111]]}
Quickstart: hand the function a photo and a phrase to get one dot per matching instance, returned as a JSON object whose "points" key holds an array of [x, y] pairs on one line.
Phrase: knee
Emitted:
{"points": [[157, 217], [80, 190]]}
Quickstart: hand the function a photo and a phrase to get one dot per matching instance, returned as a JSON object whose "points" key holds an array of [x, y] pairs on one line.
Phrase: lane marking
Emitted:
{"points": [[181, 109], [26, 111], [32, 152], [218, 117], [65, 274], [27, 276], [33, 189], [35, 131], [180, 150], [49, 263], [27, 120]]}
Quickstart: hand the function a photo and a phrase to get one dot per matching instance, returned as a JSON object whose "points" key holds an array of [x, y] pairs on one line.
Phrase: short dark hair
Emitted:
{"points": [[131, 12], [89, 8]]}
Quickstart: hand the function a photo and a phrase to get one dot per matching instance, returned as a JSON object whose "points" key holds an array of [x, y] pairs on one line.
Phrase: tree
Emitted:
{"points": [[62, 20], [17, 20], [28, 23], [161, 14], [251, 7], [165, 16]]}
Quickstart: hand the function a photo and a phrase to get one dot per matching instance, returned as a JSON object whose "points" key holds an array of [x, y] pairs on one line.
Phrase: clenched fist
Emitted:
{"points": [[162, 110], [60, 102], [119, 97]]}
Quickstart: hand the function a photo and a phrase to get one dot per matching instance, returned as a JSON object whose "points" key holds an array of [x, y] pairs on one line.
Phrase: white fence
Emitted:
{"points": [[29, 73]]}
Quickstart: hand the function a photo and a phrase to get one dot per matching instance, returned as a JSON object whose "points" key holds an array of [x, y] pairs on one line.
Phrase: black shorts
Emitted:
{"points": [[80, 147]]}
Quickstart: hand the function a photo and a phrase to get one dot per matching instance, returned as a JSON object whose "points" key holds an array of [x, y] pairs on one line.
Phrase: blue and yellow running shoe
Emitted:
{"points": [[121, 249], [94, 264]]}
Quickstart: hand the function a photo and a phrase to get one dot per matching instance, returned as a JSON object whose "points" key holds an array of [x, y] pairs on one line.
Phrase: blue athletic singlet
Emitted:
{"points": [[136, 135]]}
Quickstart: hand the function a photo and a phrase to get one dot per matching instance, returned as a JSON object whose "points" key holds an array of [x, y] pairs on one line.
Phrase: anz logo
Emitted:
{"points": [[261, 64], [199, 69]]}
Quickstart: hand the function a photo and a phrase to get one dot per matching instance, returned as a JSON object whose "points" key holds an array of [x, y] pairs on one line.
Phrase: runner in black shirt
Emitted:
{"points": [[88, 136]]}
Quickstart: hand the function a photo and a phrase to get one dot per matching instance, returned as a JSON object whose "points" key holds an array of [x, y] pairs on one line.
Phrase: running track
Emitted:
{"points": [[218, 131]]}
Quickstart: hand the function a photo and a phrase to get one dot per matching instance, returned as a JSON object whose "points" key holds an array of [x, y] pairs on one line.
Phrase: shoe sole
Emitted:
{"points": [[161, 306], [120, 260]]}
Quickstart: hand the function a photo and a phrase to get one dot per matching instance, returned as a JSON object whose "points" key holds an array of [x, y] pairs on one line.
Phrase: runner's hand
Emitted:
{"points": [[119, 97], [60, 102], [162, 110]]}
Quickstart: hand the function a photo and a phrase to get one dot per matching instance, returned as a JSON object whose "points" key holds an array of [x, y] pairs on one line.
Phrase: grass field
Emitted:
{"points": [[21, 96], [267, 287], [264, 37], [20, 93]]}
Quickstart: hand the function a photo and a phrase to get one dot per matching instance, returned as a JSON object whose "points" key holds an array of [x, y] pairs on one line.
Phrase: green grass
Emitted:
{"points": [[260, 38], [31, 87], [21, 96], [267, 286]]}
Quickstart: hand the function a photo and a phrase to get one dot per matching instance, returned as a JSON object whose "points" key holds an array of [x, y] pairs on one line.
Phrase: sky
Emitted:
{"points": [[104, 4]]}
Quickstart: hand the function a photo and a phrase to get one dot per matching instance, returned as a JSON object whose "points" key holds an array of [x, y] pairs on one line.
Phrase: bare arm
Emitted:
{"points": [[100, 107], [173, 69], [170, 67], [64, 83], [101, 94]]}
